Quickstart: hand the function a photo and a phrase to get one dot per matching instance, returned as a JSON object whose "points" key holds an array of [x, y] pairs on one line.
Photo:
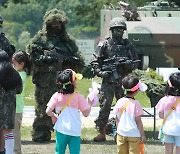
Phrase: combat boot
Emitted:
{"points": [[101, 136]]}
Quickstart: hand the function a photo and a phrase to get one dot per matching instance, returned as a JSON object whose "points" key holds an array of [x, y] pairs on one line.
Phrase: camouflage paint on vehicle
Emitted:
{"points": [[156, 35]]}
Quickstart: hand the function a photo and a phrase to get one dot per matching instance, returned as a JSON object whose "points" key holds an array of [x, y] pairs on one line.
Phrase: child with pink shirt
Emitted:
{"points": [[67, 104], [171, 127], [128, 112]]}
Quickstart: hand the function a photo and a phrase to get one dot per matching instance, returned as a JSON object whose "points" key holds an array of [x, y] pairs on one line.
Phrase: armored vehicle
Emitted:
{"points": [[153, 29]]}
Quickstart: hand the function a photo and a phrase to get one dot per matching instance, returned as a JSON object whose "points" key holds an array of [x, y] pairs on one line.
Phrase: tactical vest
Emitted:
{"points": [[112, 50], [120, 50]]}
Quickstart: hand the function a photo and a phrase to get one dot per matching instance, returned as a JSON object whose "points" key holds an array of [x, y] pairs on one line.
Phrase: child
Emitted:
{"points": [[22, 64], [171, 127], [10, 85], [68, 123], [128, 117]]}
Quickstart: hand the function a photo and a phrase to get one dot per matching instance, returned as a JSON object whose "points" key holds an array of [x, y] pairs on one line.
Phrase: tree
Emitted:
{"points": [[22, 17], [23, 40], [27, 15], [84, 16]]}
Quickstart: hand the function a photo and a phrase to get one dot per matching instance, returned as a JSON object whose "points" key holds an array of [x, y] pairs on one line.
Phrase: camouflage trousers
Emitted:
{"points": [[7, 109], [42, 125], [107, 93]]}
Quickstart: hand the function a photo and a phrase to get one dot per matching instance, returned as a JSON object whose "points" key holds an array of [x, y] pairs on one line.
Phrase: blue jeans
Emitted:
{"points": [[63, 140]]}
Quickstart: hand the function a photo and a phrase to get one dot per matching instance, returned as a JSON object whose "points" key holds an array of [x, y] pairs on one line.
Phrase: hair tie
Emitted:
{"points": [[75, 75], [170, 84], [64, 84]]}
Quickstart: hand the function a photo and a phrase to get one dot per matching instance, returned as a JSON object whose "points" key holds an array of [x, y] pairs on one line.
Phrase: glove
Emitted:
{"points": [[128, 62], [128, 67], [48, 59], [104, 74]]}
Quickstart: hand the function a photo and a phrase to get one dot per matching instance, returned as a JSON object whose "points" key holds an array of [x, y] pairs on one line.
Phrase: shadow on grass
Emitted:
{"points": [[107, 142], [36, 143], [151, 137], [83, 141], [112, 142], [87, 141]]}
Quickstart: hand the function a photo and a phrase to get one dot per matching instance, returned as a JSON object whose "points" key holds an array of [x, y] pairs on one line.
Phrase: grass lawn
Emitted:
{"points": [[82, 87], [29, 93], [87, 144]]}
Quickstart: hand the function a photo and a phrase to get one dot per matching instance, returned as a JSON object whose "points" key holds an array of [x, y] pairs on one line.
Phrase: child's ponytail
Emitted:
{"points": [[21, 56]]}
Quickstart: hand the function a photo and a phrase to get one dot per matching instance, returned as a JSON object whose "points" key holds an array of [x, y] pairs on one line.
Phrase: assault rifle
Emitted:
{"points": [[58, 55], [112, 64], [61, 56]]}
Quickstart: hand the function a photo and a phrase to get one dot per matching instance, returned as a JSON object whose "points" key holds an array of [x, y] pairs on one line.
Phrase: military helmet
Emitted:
{"points": [[118, 22], [55, 15], [1, 21]]}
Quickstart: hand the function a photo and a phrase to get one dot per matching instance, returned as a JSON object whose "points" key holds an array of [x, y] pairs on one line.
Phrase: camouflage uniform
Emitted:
{"points": [[10, 85], [7, 98], [104, 65], [7, 108], [50, 52], [4, 42]]}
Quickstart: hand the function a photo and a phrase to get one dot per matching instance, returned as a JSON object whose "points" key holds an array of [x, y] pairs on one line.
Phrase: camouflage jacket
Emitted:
{"points": [[6, 45], [107, 51], [46, 45]]}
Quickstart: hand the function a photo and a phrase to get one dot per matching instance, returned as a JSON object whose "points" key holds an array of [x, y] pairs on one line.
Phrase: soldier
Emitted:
{"points": [[4, 42], [113, 59], [51, 50]]}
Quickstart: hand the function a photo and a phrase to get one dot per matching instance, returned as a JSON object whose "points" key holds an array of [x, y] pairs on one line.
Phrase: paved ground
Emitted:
{"points": [[29, 115]]}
